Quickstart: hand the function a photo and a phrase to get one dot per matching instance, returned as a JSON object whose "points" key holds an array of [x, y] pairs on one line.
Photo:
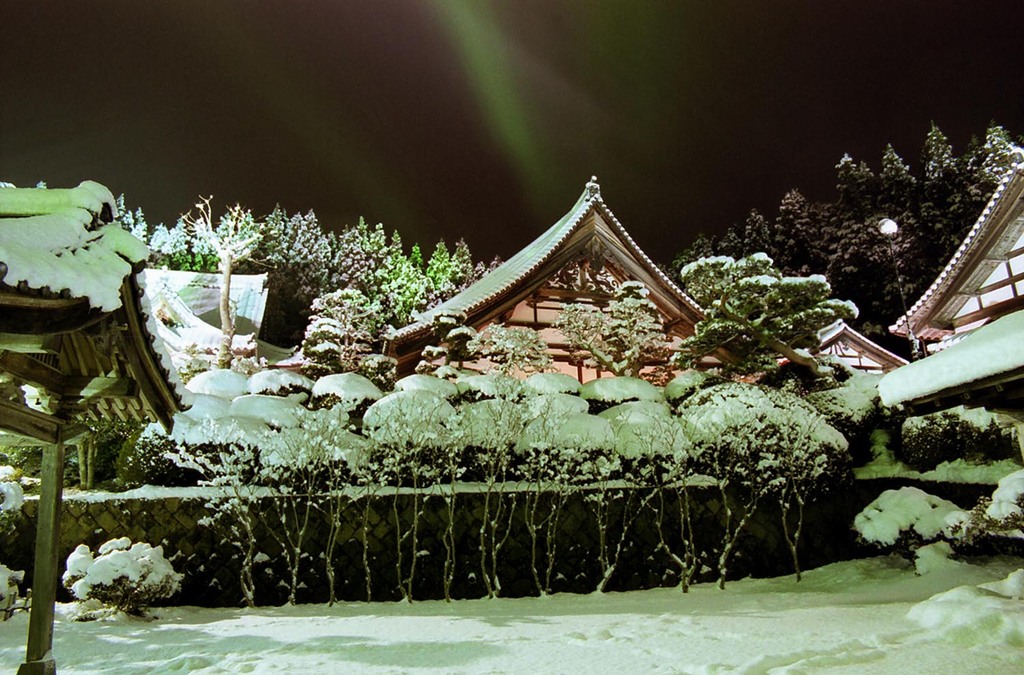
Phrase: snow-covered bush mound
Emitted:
{"points": [[223, 383], [852, 408], [347, 390], [552, 383], [276, 411], [224, 431], [491, 385], [206, 406], [318, 436], [935, 557], [686, 384], [279, 382], [634, 408], [580, 432], [605, 392], [957, 433], [443, 388], [125, 577], [8, 472], [490, 424], [11, 497], [736, 413], [909, 513], [646, 430], [416, 418], [976, 616], [1008, 499], [554, 406], [147, 461]]}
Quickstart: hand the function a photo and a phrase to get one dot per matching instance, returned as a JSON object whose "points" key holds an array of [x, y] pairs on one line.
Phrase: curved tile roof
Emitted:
{"points": [[930, 299], [530, 258]]}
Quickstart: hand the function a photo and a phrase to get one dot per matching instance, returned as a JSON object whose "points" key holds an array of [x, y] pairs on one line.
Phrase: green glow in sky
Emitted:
{"points": [[489, 59]]}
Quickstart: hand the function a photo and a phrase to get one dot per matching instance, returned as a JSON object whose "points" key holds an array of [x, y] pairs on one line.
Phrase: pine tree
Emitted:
{"points": [[625, 338], [756, 314], [342, 330]]}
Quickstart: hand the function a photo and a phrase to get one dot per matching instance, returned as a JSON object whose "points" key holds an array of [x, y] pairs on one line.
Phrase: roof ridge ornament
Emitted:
{"points": [[593, 190]]}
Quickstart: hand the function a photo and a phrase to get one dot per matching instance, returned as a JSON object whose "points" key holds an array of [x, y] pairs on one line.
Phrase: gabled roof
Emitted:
{"points": [[841, 335], [74, 324], [991, 241], [588, 220]]}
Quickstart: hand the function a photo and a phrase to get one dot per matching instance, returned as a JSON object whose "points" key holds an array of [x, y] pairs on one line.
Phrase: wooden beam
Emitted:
{"points": [[45, 316], [32, 371], [19, 419], [98, 387], [29, 344]]}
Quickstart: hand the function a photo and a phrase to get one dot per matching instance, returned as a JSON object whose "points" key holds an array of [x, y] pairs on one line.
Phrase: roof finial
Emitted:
{"points": [[593, 189]]}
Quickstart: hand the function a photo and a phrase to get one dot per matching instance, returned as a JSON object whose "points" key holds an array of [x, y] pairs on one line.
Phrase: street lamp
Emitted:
{"points": [[888, 229]]}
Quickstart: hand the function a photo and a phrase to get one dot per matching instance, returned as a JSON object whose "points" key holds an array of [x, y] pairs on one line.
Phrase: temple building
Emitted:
{"points": [[842, 342], [984, 279], [579, 259]]}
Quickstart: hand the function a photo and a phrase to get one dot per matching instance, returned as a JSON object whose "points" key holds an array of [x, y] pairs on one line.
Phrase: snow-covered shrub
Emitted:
{"points": [[688, 383], [953, 434], [737, 418], [146, 462], [409, 431], [766, 443], [441, 387], [124, 577], [853, 408], [1002, 514], [379, 369], [9, 580], [551, 406], [494, 385], [277, 411], [11, 498], [551, 383], [279, 382], [224, 383], [351, 391], [605, 392], [905, 519]]}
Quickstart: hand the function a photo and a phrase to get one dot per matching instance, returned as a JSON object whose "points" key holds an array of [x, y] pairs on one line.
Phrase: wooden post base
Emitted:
{"points": [[45, 667]]}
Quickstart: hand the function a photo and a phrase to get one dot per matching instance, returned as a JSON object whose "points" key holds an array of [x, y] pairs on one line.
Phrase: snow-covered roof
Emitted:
{"points": [[523, 264], [200, 293], [990, 357], [68, 288], [990, 240], [62, 241], [857, 350]]}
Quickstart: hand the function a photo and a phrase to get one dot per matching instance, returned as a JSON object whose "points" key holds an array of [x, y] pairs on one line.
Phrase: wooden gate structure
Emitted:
{"points": [[75, 345]]}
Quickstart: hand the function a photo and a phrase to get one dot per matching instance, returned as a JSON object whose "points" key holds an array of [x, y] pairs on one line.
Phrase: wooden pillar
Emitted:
{"points": [[39, 655]]}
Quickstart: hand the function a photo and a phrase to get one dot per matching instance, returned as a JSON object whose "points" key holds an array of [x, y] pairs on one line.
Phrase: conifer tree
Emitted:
{"points": [[756, 314]]}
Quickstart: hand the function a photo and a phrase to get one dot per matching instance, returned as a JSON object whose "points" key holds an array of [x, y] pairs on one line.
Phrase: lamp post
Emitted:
{"points": [[888, 229]]}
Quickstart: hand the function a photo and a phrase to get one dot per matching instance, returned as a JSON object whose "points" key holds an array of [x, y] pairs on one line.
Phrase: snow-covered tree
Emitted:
{"points": [[233, 239], [298, 256], [624, 338], [341, 331], [512, 350], [452, 343], [756, 314]]}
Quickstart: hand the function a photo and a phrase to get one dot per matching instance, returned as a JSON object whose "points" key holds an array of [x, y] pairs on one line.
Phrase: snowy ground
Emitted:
{"points": [[848, 617]]}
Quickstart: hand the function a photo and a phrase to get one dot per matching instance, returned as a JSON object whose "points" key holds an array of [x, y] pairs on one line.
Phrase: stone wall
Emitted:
{"points": [[210, 557]]}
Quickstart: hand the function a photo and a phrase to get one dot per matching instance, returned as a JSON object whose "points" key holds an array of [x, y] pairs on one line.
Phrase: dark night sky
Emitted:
{"points": [[484, 120]]}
